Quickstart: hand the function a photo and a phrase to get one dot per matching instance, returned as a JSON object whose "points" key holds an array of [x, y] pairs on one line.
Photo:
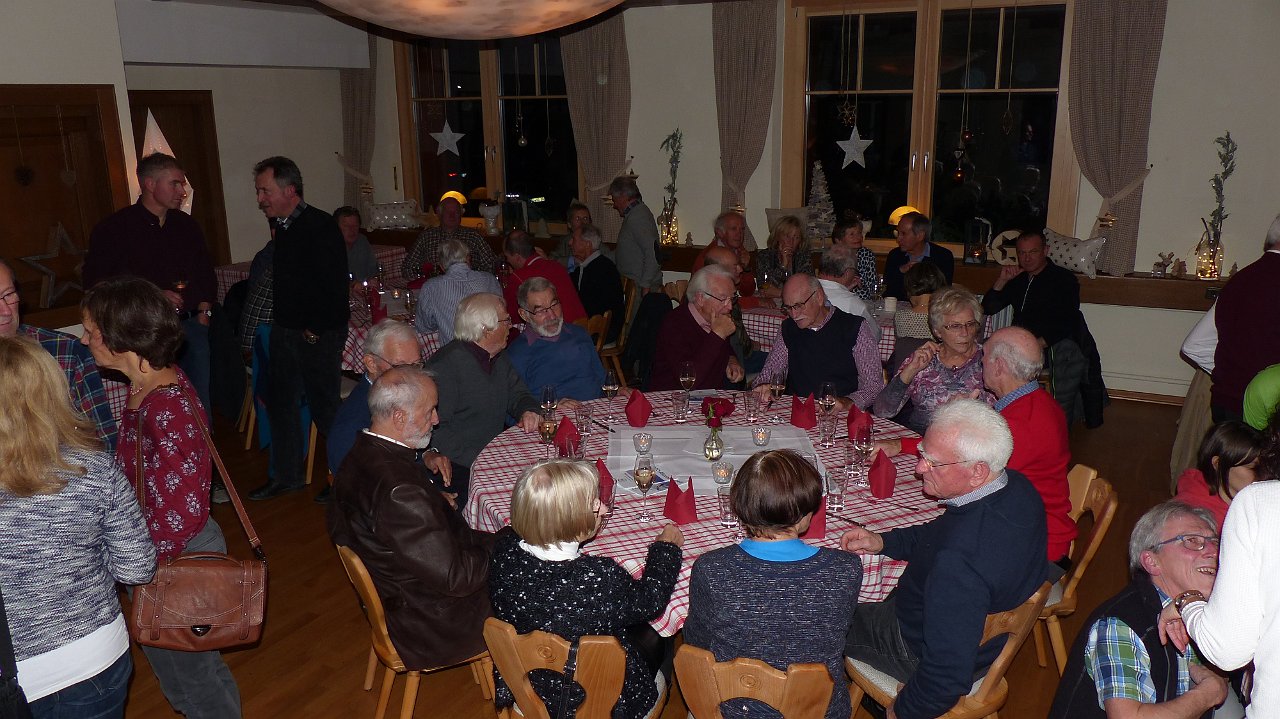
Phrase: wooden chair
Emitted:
{"points": [[601, 669], [1079, 479], [990, 692], [801, 692], [383, 650], [675, 290], [597, 327], [611, 355], [1100, 502]]}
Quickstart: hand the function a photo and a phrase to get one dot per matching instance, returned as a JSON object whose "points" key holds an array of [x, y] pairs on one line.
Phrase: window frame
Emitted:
{"points": [[491, 108], [1065, 171]]}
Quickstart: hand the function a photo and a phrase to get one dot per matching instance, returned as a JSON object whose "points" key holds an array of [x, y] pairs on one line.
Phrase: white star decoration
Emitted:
{"points": [[448, 140], [854, 149]]}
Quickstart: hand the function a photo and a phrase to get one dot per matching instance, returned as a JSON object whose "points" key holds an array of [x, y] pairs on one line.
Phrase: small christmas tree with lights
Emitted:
{"points": [[822, 214]]}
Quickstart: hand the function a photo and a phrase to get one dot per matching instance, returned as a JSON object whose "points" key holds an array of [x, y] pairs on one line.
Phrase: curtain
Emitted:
{"points": [[357, 88], [597, 78], [1115, 48], [744, 37]]}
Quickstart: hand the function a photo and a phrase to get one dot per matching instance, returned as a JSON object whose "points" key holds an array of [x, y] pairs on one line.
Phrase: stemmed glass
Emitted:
{"points": [[777, 385], [610, 388], [687, 376], [547, 430], [549, 398], [644, 474], [827, 397], [863, 445]]}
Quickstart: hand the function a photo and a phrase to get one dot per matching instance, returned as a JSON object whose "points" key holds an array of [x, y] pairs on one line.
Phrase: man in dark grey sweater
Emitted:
{"points": [[479, 388]]}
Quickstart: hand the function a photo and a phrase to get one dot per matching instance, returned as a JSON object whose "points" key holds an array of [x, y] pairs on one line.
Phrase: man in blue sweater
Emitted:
{"points": [[985, 554], [550, 352]]}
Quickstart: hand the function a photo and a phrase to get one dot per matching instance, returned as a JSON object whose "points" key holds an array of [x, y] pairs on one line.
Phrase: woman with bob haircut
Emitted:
{"points": [[1226, 463], [539, 579], [71, 529], [772, 597], [130, 326], [787, 254]]}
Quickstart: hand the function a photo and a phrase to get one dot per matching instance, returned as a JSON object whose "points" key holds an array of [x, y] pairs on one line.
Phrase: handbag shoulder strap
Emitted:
{"points": [[8, 662], [249, 531]]}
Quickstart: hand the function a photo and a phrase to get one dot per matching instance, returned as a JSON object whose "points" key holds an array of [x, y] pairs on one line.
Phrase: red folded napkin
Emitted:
{"points": [[882, 476], [415, 285], [606, 481], [818, 525], [911, 446], [638, 409], [680, 507], [857, 419], [566, 437], [803, 413], [428, 269]]}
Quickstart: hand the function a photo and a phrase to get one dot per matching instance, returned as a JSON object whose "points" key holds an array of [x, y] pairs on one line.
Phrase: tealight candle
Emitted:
{"points": [[760, 435]]}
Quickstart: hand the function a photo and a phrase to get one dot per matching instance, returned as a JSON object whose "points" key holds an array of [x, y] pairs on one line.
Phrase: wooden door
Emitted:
{"points": [[186, 119]]}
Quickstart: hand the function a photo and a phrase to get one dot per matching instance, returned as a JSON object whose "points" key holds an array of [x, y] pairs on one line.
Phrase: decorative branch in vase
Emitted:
{"points": [[1209, 249], [668, 225]]}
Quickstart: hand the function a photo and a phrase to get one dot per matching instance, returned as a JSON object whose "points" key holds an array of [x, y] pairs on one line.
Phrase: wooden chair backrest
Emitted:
{"points": [[1078, 480], [675, 290], [631, 295], [801, 692], [1101, 502], [1016, 624], [360, 579], [601, 667], [597, 327]]}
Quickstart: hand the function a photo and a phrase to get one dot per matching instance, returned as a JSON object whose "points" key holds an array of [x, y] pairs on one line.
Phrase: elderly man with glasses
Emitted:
{"points": [[698, 332], [985, 554], [389, 344], [1119, 666], [813, 345], [551, 351]]}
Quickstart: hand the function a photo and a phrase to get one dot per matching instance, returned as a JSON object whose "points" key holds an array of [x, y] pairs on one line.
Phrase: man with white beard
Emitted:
{"points": [[429, 567], [550, 352]]}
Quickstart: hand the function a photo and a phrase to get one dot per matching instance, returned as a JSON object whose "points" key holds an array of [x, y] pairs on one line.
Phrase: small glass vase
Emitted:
{"points": [[713, 447]]}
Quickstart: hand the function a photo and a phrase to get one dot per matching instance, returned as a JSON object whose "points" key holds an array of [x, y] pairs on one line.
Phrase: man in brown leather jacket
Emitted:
{"points": [[429, 567]]}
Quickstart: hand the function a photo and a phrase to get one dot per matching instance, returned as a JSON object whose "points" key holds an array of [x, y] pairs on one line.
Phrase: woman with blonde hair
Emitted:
{"points": [[130, 326], [539, 579], [787, 254], [71, 529], [938, 371]]}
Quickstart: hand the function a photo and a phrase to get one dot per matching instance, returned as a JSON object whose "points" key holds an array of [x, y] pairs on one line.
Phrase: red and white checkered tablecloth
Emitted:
{"points": [[117, 396], [389, 256], [358, 328], [627, 540]]}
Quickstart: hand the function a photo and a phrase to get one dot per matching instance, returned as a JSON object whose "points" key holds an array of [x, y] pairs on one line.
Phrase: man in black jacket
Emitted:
{"points": [[310, 318]]}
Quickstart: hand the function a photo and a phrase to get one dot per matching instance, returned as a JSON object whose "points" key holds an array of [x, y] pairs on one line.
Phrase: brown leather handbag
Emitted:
{"points": [[204, 600]]}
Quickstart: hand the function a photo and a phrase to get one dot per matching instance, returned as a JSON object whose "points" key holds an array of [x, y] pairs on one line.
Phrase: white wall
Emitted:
{"points": [[67, 42], [1216, 72], [673, 85]]}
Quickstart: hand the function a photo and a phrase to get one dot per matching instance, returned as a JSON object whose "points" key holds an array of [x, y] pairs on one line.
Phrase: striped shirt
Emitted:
{"points": [[439, 297]]}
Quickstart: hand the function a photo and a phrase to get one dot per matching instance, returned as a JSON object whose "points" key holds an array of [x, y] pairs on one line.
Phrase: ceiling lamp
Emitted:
{"points": [[472, 19]]}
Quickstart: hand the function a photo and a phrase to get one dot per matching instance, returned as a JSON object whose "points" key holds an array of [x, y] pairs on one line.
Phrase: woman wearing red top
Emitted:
{"points": [[1225, 465], [130, 325]]}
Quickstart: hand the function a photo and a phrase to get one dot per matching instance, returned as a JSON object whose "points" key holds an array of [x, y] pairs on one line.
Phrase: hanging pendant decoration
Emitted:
{"points": [[1006, 120], [23, 174], [447, 140], [854, 149]]}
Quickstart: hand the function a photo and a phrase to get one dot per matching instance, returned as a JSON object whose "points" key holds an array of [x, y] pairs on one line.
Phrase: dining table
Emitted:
{"points": [[626, 539]]}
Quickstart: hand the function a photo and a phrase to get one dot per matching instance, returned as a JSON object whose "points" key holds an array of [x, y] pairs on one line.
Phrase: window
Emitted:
{"points": [[507, 99], [961, 104]]}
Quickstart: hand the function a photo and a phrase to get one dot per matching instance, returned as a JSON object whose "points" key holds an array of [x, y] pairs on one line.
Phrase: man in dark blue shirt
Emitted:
{"points": [[913, 248]]}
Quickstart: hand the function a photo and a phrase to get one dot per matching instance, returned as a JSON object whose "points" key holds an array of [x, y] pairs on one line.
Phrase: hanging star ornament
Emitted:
{"points": [[855, 149], [448, 140]]}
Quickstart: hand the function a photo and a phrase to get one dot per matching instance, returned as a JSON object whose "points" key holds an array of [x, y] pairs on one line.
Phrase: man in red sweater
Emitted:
{"points": [[526, 263], [1011, 364]]}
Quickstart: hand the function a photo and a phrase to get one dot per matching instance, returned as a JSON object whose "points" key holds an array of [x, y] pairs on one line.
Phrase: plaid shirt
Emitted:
{"points": [[1120, 666], [258, 308], [87, 393], [427, 249]]}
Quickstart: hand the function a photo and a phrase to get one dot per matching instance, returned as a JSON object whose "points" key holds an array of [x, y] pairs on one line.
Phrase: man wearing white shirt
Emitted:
{"points": [[837, 272]]}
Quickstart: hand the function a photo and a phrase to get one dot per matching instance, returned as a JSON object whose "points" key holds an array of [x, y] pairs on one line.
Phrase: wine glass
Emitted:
{"points": [[644, 474], [610, 388], [687, 376], [863, 443], [777, 385], [547, 430], [827, 397], [549, 399]]}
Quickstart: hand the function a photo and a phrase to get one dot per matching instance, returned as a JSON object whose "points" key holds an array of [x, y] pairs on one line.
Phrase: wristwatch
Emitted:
{"points": [[1183, 599]]}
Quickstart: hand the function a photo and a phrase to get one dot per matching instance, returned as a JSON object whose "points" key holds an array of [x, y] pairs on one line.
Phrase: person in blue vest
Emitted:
{"points": [[551, 352], [815, 344]]}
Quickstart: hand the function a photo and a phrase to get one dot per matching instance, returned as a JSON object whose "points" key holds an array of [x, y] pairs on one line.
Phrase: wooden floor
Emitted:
{"points": [[312, 657]]}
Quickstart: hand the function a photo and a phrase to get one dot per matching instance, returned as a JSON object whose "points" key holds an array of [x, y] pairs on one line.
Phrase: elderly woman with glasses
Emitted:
{"points": [[539, 579], [938, 371]]}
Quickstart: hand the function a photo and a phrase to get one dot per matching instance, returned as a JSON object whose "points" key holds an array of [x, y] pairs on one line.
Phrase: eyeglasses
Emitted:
{"points": [[543, 310], [419, 364], [506, 320], [934, 464], [1194, 542], [799, 305], [734, 296], [961, 326], [10, 297]]}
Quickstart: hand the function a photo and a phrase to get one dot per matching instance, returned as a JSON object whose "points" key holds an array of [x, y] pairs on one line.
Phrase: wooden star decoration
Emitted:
{"points": [[50, 287], [447, 140], [854, 148]]}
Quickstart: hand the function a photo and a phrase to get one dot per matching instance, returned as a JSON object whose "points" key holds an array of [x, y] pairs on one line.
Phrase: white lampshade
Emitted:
{"points": [[472, 19]]}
